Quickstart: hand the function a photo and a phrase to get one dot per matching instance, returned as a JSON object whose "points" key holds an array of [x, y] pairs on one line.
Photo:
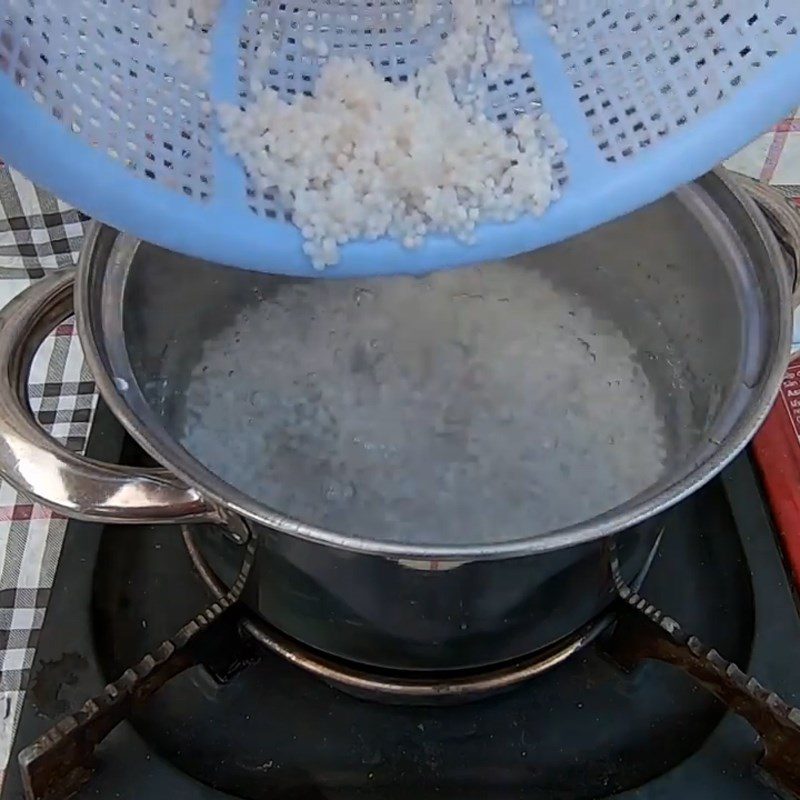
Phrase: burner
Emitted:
{"points": [[399, 686], [250, 724], [623, 731]]}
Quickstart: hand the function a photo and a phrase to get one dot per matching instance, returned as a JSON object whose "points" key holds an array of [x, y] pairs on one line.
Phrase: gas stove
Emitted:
{"points": [[236, 720]]}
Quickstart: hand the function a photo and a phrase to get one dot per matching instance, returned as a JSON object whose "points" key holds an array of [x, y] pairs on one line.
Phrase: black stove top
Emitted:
{"points": [[585, 729]]}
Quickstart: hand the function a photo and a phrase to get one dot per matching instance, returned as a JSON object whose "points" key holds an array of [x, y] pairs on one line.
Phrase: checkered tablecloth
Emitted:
{"points": [[38, 234], [774, 157]]}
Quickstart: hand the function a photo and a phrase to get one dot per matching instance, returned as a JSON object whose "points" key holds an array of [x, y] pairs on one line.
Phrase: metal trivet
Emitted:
{"points": [[62, 760]]}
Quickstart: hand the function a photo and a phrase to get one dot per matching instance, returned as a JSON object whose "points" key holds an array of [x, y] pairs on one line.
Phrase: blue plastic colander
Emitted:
{"points": [[648, 94]]}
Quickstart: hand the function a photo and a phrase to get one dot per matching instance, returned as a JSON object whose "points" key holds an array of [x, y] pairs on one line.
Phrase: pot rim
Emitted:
{"points": [[171, 454]]}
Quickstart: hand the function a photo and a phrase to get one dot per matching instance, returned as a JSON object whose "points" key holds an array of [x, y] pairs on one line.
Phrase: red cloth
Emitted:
{"points": [[776, 448]]}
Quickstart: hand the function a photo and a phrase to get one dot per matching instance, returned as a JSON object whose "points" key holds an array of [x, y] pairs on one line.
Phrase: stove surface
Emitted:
{"points": [[583, 730]]}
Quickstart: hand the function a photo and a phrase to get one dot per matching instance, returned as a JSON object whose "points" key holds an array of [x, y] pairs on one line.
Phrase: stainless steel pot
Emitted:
{"points": [[438, 469]]}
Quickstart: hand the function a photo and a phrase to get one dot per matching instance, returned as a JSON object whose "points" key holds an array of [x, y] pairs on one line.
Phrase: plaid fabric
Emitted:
{"points": [[775, 159], [38, 234]]}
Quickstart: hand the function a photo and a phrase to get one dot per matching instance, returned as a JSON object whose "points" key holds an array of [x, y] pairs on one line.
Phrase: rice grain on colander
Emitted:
{"points": [[362, 157]]}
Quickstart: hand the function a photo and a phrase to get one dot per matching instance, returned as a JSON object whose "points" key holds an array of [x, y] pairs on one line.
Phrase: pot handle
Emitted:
{"points": [[784, 219], [38, 466]]}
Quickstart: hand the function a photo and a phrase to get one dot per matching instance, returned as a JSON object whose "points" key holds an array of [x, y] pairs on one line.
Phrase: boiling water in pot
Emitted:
{"points": [[469, 407], [479, 406]]}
